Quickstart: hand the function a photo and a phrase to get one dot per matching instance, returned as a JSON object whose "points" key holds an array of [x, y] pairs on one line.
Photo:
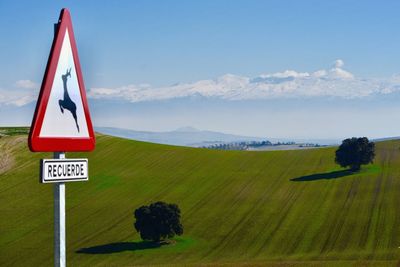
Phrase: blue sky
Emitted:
{"points": [[165, 42], [134, 51]]}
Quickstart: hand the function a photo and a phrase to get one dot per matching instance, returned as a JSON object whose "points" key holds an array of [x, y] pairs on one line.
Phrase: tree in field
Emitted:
{"points": [[354, 152], [158, 221]]}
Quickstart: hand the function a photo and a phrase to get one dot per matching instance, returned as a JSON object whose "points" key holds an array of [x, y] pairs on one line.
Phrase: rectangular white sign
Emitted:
{"points": [[63, 170]]}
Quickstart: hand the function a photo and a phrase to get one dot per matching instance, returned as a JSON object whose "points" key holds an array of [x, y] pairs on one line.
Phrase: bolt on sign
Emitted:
{"points": [[61, 123]]}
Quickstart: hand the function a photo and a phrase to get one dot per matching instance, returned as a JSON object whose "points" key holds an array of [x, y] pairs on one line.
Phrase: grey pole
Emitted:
{"points": [[59, 211], [59, 220]]}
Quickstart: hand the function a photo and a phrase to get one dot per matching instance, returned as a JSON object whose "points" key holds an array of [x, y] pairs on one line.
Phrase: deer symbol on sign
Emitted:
{"points": [[67, 103]]}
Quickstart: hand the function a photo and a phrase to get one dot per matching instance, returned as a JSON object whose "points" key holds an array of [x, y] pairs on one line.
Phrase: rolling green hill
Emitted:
{"points": [[285, 208]]}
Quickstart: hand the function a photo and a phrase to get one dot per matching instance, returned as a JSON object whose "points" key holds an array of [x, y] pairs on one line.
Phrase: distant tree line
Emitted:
{"points": [[310, 145], [239, 145], [245, 145]]}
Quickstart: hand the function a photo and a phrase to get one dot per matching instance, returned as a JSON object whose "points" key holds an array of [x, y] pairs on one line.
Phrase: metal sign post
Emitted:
{"points": [[62, 123], [59, 220]]}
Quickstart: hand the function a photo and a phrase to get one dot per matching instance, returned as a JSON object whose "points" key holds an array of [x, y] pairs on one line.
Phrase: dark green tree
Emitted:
{"points": [[354, 152], [158, 221]]}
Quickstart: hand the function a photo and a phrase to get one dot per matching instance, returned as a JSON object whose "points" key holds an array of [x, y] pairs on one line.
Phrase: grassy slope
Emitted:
{"points": [[237, 206]]}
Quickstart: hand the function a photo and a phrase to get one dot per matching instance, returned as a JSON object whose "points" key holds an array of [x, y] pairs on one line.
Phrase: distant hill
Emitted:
{"points": [[239, 208], [386, 139], [185, 136], [189, 136]]}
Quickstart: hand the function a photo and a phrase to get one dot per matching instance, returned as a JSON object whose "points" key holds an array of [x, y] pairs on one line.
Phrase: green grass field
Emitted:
{"points": [[279, 208], [11, 131]]}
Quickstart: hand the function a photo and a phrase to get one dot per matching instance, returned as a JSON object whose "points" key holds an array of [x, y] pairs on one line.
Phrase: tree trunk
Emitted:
{"points": [[355, 168]]}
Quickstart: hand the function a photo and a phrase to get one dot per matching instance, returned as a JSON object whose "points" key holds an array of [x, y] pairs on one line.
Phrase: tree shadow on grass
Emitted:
{"points": [[323, 176], [119, 247]]}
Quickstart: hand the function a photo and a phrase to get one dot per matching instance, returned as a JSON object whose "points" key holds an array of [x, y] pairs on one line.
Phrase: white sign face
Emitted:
{"points": [[64, 116], [63, 170]]}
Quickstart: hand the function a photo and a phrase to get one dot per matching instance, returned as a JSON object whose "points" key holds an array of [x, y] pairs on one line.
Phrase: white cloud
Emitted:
{"points": [[25, 93], [339, 73], [319, 73], [26, 84], [16, 98], [339, 63], [286, 74], [23, 100], [334, 82]]}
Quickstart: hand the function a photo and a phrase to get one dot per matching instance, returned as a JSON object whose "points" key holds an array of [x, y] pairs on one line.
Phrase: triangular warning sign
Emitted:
{"points": [[62, 121]]}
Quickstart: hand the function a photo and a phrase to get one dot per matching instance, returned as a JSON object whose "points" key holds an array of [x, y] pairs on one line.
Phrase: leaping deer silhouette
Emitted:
{"points": [[67, 103]]}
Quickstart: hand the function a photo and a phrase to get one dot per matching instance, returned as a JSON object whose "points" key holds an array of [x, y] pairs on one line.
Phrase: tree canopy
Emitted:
{"points": [[158, 221], [354, 152]]}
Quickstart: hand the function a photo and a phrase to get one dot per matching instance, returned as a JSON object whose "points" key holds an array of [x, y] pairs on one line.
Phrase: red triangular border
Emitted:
{"points": [[60, 144]]}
